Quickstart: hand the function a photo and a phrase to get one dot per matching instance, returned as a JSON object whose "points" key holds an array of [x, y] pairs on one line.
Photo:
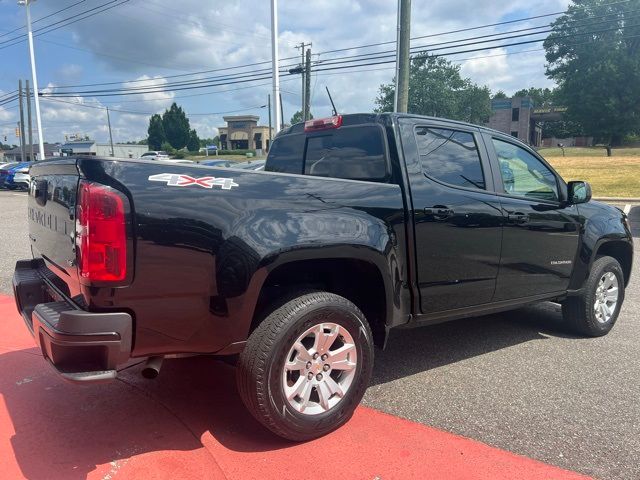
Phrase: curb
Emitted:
{"points": [[617, 199]]}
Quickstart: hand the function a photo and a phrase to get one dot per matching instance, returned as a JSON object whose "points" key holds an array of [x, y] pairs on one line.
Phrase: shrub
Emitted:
{"points": [[166, 147], [235, 152]]}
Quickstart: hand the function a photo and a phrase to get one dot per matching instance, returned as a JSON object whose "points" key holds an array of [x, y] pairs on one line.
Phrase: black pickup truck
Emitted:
{"points": [[358, 224]]}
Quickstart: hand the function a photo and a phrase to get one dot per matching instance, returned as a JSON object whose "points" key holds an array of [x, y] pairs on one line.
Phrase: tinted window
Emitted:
{"points": [[450, 156], [354, 153], [523, 174], [286, 154]]}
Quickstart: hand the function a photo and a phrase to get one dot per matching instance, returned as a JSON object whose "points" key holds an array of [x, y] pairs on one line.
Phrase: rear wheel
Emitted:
{"points": [[306, 367], [595, 310]]}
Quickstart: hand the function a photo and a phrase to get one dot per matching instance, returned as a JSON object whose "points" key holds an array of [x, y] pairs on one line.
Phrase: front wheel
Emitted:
{"points": [[307, 365], [595, 310]]}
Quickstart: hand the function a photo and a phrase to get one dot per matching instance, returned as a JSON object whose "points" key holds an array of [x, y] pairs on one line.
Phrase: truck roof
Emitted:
{"points": [[359, 118]]}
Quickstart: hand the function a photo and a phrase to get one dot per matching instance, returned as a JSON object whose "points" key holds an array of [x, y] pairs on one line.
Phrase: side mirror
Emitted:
{"points": [[579, 192]]}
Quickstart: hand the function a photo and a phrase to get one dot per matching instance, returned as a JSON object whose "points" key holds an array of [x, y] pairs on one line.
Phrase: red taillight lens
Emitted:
{"points": [[101, 237], [323, 123]]}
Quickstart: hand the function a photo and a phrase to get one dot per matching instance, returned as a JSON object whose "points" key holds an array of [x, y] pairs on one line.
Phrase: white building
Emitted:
{"points": [[90, 147]]}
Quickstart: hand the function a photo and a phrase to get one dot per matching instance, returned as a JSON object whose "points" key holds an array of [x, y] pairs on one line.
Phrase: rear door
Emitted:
{"points": [[541, 233], [457, 216]]}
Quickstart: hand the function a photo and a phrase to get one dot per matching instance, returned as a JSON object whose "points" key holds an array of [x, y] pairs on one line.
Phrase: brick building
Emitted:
{"points": [[243, 133], [518, 117], [515, 116]]}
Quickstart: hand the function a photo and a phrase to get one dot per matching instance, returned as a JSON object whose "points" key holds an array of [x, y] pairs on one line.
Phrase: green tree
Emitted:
{"points": [[156, 132], [597, 68], [542, 97], [297, 117], [209, 141], [562, 129], [499, 95], [193, 145], [436, 88], [166, 147], [176, 126]]}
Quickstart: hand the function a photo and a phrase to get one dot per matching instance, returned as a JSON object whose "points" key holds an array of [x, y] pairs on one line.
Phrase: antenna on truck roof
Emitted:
{"points": [[335, 112]]}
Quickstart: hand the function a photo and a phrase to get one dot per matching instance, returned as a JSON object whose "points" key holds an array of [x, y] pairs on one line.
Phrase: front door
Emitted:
{"points": [[457, 217], [541, 234]]}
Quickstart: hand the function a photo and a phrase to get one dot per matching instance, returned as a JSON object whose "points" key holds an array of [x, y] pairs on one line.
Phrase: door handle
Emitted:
{"points": [[439, 211], [518, 218]]}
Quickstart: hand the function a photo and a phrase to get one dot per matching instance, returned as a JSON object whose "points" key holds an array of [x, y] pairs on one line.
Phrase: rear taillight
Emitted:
{"points": [[323, 123], [101, 236]]}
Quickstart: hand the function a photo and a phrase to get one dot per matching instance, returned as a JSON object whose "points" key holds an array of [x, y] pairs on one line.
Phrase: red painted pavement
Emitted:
{"points": [[190, 424]]}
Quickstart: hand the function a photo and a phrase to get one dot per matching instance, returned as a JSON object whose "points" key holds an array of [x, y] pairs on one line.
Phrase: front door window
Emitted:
{"points": [[523, 175]]}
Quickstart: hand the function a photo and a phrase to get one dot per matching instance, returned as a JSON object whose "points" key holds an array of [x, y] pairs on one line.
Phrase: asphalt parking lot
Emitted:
{"points": [[515, 381]]}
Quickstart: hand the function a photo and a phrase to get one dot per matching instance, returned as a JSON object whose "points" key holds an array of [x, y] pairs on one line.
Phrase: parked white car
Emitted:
{"points": [[22, 179], [162, 157], [155, 155]]}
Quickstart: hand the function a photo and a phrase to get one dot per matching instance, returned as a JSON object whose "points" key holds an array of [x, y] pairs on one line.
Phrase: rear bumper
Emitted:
{"points": [[83, 347]]}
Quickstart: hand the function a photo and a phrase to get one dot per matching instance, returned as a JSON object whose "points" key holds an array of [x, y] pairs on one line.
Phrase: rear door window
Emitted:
{"points": [[451, 157]]}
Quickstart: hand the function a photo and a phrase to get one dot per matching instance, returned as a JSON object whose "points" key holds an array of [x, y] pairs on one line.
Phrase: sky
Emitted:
{"points": [[138, 43]]}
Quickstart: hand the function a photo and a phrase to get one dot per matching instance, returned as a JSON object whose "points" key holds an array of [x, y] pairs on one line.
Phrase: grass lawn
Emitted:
{"points": [[234, 158], [588, 152], [616, 176]]}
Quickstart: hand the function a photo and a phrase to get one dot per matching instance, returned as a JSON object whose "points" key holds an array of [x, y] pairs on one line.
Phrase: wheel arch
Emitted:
{"points": [[621, 250], [361, 280]]}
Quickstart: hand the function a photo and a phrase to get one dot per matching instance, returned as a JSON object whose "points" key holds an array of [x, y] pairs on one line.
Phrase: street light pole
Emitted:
{"points": [[110, 134], [274, 62], [27, 4]]}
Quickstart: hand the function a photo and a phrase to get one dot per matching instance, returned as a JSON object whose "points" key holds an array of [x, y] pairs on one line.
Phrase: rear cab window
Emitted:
{"points": [[350, 152]]}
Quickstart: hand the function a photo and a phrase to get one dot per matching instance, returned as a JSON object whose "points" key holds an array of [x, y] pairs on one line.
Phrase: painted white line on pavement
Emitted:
{"points": [[627, 209]]}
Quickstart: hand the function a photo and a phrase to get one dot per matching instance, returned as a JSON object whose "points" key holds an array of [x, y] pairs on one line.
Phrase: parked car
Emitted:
{"points": [[218, 163], [21, 178], [155, 155], [8, 173], [256, 165], [363, 224]]}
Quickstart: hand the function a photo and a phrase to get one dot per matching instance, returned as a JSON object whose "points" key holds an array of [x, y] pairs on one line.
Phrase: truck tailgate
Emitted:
{"points": [[52, 211]]}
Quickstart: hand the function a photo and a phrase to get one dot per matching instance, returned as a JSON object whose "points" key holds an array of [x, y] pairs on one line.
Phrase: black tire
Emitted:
{"points": [[578, 311], [261, 364]]}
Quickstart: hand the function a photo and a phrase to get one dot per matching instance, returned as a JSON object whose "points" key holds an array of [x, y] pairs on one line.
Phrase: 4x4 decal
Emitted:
{"points": [[175, 180]]}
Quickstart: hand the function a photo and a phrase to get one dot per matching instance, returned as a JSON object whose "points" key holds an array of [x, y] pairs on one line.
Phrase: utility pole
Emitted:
{"points": [[34, 75], [270, 129], [302, 70], [281, 112], [307, 87], [19, 135], [403, 60], [30, 123], [110, 135], [22, 138], [274, 61]]}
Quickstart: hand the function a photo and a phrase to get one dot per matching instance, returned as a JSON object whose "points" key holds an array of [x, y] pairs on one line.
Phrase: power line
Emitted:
{"points": [[421, 50], [457, 53], [368, 56], [99, 107], [457, 44], [44, 18], [264, 74], [70, 20], [478, 27]]}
